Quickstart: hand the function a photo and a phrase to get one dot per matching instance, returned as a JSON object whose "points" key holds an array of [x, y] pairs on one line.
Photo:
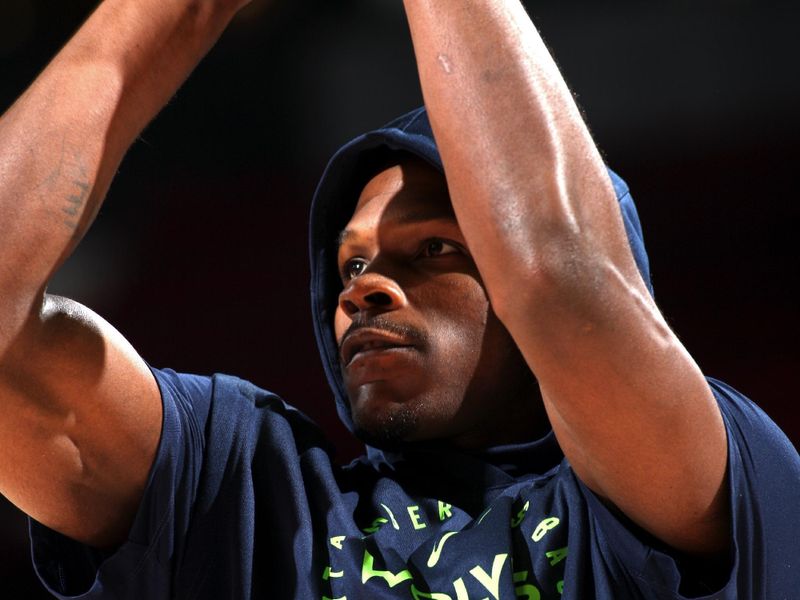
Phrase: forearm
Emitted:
{"points": [[527, 183], [62, 141]]}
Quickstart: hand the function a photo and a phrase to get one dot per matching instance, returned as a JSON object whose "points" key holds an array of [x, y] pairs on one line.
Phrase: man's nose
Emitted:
{"points": [[371, 291]]}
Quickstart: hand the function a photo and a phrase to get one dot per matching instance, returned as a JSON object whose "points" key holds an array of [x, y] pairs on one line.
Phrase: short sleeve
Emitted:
{"points": [[764, 493], [142, 566]]}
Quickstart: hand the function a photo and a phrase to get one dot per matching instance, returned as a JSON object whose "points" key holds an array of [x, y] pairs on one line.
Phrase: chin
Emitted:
{"points": [[391, 416], [387, 431]]}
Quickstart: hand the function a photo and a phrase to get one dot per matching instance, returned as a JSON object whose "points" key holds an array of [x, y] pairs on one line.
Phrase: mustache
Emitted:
{"points": [[380, 323]]}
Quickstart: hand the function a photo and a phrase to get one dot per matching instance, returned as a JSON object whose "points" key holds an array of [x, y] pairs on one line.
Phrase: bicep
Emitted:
{"points": [[632, 410], [80, 423]]}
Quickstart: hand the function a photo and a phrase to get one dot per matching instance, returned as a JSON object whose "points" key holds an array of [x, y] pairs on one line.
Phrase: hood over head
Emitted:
{"points": [[335, 199]]}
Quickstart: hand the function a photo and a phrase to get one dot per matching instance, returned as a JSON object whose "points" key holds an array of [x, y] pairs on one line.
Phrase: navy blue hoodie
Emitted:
{"points": [[244, 500]]}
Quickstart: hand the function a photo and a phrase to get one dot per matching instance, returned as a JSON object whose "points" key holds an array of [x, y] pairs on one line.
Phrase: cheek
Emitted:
{"points": [[340, 323], [461, 317]]}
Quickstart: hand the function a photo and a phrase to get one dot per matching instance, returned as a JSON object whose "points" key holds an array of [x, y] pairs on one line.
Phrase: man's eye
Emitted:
{"points": [[353, 268], [438, 248]]}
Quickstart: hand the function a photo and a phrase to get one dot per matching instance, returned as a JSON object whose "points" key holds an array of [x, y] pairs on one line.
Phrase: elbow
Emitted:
{"points": [[555, 277]]}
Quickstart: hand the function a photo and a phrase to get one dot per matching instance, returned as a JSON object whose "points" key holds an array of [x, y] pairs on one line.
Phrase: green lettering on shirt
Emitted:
{"points": [[342, 598], [491, 582], [376, 524], [527, 590], [556, 556], [520, 515], [560, 587], [444, 510], [543, 527], [327, 574], [368, 571], [413, 512], [391, 516], [461, 589], [437, 549], [336, 541]]}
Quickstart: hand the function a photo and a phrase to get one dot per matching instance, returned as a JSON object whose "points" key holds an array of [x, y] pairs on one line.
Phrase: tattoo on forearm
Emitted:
{"points": [[51, 180], [69, 177], [75, 202]]}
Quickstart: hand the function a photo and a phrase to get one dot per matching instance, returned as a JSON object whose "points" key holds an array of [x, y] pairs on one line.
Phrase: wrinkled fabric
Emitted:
{"points": [[244, 502]]}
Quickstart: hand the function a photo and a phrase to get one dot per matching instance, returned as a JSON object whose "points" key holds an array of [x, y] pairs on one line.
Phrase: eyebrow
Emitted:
{"points": [[410, 218], [342, 237]]}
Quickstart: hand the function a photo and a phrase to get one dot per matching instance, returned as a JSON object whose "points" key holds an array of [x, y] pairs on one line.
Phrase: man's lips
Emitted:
{"points": [[368, 339]]}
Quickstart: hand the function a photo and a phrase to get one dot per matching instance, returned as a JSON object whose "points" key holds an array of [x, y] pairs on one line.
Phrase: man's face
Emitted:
{"points": [[422, 354]]}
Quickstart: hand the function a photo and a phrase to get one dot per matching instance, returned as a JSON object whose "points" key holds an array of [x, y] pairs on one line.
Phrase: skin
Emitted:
{"points": [[406, 269]]}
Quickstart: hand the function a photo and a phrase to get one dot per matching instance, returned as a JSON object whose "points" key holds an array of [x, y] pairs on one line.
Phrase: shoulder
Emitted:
{"points": [[760, 455], [744, 417], [763, 480], [225, 405], [224, 443]]}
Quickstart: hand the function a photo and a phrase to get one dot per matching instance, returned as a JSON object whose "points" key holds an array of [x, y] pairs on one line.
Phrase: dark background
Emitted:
{"points": [[199, 257]]}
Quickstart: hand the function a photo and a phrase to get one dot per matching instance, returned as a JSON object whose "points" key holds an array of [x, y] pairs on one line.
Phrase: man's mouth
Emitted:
{"points": [[367, 340]]}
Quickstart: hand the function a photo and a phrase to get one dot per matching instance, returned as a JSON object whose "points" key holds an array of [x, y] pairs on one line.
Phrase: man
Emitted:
{"points": [[536, 429]]}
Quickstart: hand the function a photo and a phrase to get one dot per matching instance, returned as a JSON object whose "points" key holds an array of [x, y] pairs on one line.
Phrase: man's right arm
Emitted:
{"points": [[80, 413]]}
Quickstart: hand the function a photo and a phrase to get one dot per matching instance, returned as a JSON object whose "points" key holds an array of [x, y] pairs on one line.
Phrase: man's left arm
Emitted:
{"points": [[630, 407]]}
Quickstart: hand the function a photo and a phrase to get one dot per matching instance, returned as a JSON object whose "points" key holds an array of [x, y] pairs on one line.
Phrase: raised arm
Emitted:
{"points": [[629, 405], [80, 413]]}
